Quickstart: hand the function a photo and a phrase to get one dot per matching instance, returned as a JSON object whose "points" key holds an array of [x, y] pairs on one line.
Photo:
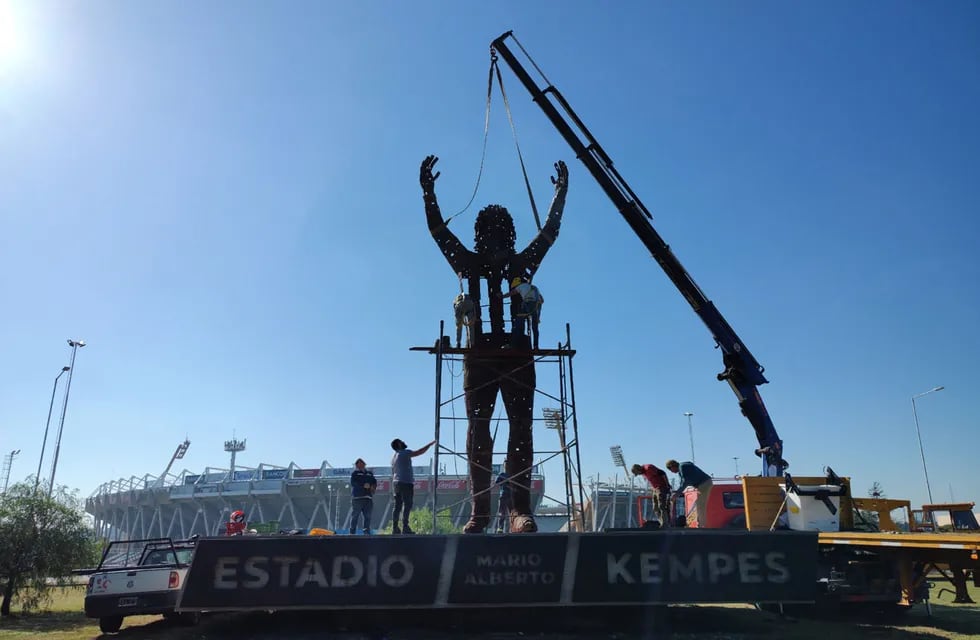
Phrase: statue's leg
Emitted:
{"points": [[480, 384], [517, 390]]}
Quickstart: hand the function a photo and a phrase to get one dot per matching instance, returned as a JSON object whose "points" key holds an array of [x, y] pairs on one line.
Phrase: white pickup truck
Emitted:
{"points": [[138, 577]]}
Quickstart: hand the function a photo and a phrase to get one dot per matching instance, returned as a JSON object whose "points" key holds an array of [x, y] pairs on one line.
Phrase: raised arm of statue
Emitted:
{"points": [[532, 256], [460, 258]]}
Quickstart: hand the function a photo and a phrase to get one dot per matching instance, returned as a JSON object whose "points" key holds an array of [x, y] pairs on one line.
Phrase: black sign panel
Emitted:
{"points": [[327, 571], [495, 570], [391, 572], [696, 566]]}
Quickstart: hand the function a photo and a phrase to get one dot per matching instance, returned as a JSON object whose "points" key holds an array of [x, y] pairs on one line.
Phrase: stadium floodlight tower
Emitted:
{"points": [[233, 446], [178, 454], [8, 463], [617, 457]]}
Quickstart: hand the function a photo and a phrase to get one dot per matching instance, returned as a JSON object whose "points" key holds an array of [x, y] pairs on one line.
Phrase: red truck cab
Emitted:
{"points": [[726, 505]]}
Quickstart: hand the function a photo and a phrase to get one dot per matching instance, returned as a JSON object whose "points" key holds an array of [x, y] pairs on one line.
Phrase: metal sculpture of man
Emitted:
{"points": [[485, 372]]}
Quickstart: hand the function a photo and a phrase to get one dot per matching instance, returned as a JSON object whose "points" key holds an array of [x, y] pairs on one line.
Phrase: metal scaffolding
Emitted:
{"points": [[559, 418]]}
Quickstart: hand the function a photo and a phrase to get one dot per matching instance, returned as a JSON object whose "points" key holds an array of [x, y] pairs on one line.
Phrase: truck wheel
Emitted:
{"points": [[110, 624]]}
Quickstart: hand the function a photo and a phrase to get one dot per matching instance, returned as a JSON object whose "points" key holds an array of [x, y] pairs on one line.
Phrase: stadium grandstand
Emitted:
{"points": [[274, 498]]}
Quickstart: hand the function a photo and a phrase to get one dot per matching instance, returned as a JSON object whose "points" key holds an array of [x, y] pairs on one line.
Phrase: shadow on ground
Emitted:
{"points": [[682, 622], [695, 622]]}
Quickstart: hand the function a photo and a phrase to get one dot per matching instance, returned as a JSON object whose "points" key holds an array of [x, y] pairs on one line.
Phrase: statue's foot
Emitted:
{"points": [[476, 524], [523, 523]]}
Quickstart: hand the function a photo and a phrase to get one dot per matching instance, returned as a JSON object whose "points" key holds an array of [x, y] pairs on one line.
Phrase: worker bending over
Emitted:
{"points": [[660, 485], [692, 476]]}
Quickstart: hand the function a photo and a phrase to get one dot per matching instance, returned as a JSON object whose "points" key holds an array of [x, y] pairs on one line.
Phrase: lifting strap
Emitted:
{"points": [[513, 128], [486, 131]]}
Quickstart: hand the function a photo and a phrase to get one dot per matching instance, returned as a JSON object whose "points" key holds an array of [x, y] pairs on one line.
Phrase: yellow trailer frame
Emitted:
{"points": [[913, 555]]}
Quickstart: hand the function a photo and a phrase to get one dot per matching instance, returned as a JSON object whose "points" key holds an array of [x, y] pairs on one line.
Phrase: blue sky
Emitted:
{"points": [[222, 200]]}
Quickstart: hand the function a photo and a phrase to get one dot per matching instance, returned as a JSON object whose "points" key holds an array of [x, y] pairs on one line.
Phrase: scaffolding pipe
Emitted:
{"points": [[571, 387], [435, 463]]}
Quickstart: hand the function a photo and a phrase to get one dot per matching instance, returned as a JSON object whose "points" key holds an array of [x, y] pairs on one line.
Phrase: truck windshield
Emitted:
{"points": [[126, 554]]}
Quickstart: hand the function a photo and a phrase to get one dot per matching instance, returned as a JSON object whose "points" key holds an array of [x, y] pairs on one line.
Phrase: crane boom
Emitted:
{"points": [[742, 372]]}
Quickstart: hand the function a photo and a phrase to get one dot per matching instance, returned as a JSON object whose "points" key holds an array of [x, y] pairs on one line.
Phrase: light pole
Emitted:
{"points": [[8, 464], [690, 432], [44, 442], [919, 434], [619, 461], [735, 458], [74, 344]]}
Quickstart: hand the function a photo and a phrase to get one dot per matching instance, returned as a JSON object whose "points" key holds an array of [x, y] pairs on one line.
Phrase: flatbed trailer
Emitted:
{"points": [[864, 566], [914, 557]]}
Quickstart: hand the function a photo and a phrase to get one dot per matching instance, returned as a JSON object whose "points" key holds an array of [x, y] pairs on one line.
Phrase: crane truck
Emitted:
{"points": [[853, 566]]}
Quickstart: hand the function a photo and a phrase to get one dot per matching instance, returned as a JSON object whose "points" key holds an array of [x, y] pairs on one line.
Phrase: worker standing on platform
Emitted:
{"points": [[362, 488], [660, 485], [464, 310], [692, 476], [503, 507], [403, 482], [525, 306]]}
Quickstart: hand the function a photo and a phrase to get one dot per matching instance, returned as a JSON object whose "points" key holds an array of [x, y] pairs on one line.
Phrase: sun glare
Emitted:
{"points": [[11, 37]]}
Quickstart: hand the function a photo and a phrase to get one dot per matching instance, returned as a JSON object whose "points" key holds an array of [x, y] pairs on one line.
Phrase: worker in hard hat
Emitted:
{"points": [[525, 306]]}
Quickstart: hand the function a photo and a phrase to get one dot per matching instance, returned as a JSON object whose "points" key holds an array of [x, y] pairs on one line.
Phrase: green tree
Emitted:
{"points": [[868, 520], [876, 491], [43, 538]]}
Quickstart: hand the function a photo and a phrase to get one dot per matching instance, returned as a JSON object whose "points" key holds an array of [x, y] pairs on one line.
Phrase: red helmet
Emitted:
{"points": [[238, 516]]}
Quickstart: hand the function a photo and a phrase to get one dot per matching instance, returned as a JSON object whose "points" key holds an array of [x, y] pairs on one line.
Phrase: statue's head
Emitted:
{"points": [[494, 230]]}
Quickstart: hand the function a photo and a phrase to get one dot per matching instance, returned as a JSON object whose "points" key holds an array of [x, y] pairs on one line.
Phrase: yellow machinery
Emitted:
{"points": [[857, 564]]}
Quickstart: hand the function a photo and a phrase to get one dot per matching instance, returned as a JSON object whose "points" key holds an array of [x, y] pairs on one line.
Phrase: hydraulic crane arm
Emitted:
{"points": [[742, 372]]}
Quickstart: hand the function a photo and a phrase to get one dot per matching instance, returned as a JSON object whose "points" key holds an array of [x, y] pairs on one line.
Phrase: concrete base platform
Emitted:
{"points": [[502, 571]]}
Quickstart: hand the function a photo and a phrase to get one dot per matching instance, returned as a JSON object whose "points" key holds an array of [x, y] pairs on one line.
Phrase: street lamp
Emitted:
{"points": [[690, 432], [919, 434], [44, 442], [74, 344], [618, 460], [735, 458]]}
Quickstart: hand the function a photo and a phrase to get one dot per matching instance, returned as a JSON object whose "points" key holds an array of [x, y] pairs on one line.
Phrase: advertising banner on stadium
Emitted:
{"points": [[273, 474], [306, 473], [191, 479], [247, 474]]}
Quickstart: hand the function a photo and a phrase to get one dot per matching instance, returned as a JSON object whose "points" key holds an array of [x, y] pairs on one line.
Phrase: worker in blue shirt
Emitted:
{"points": [[362, 488], [692, 476]]}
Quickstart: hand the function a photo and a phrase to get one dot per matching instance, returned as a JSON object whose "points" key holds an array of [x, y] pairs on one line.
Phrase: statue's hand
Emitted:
{"points": [[426, 179], [561, 181]]}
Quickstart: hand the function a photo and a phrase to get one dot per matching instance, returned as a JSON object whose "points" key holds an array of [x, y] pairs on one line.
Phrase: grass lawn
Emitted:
{"points": [[65, 621]]}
